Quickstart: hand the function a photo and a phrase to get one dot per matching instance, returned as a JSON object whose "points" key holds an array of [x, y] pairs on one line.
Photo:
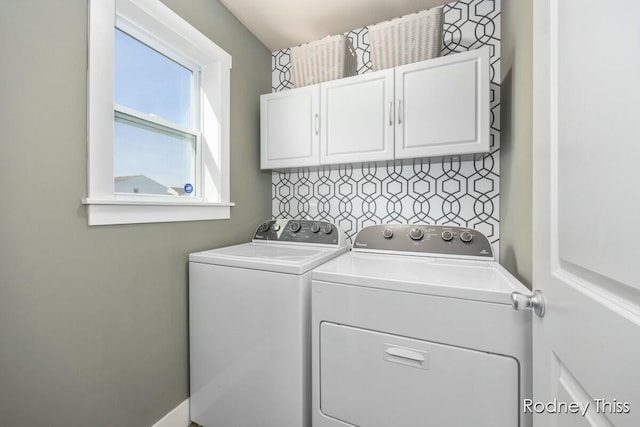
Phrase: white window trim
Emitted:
{"points": [[104, 206]]}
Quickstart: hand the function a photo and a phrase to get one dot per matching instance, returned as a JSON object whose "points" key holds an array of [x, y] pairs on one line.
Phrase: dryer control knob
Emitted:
{"points": [[416, 233], [387, 233], [466, 236], [315, 228], [294, 226], [264, 227], [275, 227], [447, 235], [327, 229]]}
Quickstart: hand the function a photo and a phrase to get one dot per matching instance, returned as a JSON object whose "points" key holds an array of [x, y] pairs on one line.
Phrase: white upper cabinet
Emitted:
{"points": [[442, 106], [290, 128], [437, 107], [357, 119]]}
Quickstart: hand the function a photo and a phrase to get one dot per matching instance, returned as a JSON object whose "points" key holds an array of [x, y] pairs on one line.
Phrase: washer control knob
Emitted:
{"points": [[416, 233], [447, 235], [295, 227], [327, 229], [264, 227], [315, 228], [275, 227], [466, 236], [387, 233]]}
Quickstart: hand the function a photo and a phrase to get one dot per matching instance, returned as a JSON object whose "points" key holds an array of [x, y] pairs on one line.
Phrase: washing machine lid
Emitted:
{"points": [[290, 259], [476, 280]]}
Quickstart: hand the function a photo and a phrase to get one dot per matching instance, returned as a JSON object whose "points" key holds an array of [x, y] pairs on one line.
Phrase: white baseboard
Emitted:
{"points": [[178, 417]]}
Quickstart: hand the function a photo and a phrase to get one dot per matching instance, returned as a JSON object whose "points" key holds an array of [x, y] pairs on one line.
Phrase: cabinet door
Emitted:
{"points": [[357, 119], [442, 106], [290, 128]]}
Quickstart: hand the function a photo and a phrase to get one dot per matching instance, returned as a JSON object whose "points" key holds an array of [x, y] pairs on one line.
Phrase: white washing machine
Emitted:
{"points": [[414, 327], [249, 318]]}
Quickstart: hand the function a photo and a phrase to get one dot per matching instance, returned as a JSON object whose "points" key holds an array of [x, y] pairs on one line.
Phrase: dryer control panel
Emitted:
{"points": [[424, 239], [300, 231]]}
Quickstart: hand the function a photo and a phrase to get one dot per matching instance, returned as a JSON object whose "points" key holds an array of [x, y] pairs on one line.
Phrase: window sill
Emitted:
{"points": [[113, 211]]}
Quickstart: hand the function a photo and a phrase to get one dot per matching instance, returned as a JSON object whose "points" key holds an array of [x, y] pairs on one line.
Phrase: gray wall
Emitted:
{"points": [[516, 157], [93, 321]]}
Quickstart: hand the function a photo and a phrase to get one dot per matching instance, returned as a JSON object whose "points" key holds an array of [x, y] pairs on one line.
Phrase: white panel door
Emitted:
{"points": [[357, 119], [586, 210], [442, 106], [290, 128]]}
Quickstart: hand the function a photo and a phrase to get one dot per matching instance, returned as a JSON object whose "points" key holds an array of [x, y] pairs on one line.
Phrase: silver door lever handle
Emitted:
{"points": [[521, 301]]}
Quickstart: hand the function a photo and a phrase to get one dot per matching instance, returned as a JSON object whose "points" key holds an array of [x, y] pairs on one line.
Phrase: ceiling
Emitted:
{"points": [[280, 24]]}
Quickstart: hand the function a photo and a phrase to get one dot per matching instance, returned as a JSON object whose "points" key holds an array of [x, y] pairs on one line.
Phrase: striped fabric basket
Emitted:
{"points": [[410, 38], [327, 59]]}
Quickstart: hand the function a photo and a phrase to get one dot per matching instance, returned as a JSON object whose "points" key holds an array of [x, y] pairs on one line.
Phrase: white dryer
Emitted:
{"points": [[249, 321], [415, 327]]}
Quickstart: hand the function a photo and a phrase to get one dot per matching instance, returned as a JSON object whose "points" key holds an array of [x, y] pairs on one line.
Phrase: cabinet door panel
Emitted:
{"points": [[357, 122], [443, 106], [289, 128]]}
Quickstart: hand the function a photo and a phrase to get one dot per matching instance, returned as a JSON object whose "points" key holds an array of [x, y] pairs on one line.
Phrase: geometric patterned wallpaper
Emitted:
{"points": [[433, 191]]}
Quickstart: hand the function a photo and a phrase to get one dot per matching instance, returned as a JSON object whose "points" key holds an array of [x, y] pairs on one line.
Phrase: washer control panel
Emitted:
{"points": [[424, 239], [299, 231]]}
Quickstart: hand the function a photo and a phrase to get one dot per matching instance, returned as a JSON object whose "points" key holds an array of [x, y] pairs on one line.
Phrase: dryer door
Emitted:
{"points": [[372, 379]]}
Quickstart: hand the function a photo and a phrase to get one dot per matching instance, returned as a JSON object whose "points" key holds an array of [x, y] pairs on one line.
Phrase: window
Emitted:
{"points": [[157, 125], [158, 147]]}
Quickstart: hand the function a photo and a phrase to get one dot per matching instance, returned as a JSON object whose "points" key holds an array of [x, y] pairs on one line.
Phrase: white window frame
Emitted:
{"points": [[212, 199]]}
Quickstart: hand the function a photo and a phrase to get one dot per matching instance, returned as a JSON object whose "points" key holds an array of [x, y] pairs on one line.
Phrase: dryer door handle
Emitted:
{"points": [[406, 356]]}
